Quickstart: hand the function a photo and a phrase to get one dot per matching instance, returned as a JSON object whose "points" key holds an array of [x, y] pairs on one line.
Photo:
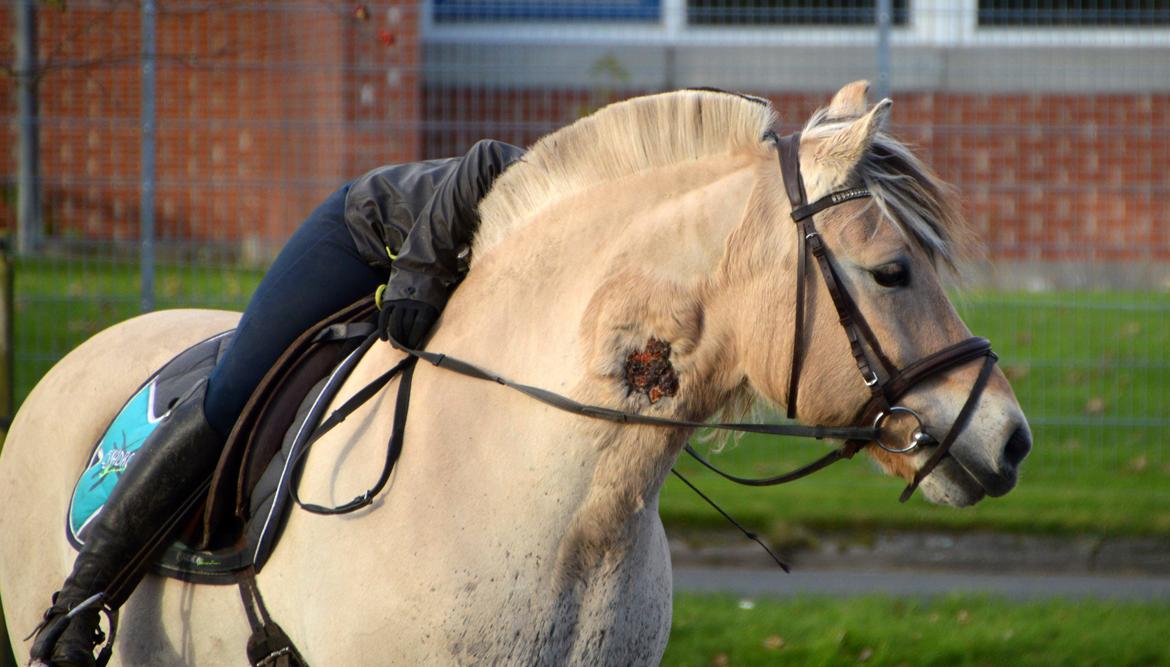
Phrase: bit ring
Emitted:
{"points": [[915, 439]]}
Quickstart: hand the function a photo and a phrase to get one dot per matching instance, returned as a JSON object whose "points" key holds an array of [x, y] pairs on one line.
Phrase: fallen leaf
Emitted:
{"points": [[720, 660], [865, 655], [774, 643], [1095, 406], [1138, 463], [1016, 372], [963, 616]]}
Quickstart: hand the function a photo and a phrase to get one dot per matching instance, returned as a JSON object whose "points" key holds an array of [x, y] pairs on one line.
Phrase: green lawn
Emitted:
{"points": [[956, 631], [1092, 371], [61, 303]]}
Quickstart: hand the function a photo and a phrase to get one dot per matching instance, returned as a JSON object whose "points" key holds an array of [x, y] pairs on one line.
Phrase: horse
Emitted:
{"points": [[512, 532]]}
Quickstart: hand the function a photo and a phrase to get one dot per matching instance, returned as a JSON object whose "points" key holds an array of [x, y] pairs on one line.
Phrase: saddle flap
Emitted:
{"points": [[221, 547], [259, 431]]}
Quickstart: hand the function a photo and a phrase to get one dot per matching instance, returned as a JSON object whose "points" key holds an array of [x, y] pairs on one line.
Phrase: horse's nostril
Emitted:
{"points": [[1017, 447]]}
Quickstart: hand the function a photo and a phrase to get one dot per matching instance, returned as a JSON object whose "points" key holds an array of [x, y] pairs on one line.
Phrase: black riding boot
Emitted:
{"points": [[164, 478]]}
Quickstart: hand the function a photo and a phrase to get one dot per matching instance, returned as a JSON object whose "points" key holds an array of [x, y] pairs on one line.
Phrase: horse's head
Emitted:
{"points": [[689, 239], [886, 251]]}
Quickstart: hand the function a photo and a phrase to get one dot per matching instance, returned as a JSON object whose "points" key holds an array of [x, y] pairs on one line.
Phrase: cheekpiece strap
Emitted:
{"points": [[789, 149]]}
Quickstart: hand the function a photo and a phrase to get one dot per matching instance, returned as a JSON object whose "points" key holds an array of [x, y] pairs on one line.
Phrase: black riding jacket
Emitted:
{"points": [[418, 219]]}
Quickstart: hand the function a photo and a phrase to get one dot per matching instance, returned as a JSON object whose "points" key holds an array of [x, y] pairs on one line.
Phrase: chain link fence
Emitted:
{"points": [[1052, 118]]}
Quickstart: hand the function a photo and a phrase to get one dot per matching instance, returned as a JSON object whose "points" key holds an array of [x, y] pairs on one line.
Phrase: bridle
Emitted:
{"points": [[884, 391], [886, 388]]}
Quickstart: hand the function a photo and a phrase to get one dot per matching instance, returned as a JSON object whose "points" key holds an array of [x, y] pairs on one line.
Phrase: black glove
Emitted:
{"points": [[406, 321]]}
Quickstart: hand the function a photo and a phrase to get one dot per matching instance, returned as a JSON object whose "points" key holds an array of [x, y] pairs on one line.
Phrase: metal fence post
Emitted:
{"points": [[28, 204], [7, 309], [885, 18], [146, 203], [7, 391]]}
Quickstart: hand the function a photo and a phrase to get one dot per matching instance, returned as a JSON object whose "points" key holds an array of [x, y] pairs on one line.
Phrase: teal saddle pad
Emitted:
{"points": [[125, 437]]}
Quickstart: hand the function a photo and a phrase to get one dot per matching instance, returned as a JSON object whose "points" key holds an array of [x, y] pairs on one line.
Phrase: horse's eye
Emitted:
{"points": [[894, 274]]}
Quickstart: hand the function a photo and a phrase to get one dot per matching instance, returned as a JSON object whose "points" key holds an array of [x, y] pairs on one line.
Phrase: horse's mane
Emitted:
{"points": [[617, 141], [922, 205]]}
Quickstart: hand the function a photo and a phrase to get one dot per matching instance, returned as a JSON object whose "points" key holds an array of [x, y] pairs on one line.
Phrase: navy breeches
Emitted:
{"points": [[317, 273]]}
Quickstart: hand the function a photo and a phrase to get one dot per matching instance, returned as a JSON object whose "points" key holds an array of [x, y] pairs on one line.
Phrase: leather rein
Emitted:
{"points": [[881, 405]]}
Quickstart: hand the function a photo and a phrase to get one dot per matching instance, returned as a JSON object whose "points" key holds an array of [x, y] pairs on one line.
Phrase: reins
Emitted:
{"points": [[553, 399]]}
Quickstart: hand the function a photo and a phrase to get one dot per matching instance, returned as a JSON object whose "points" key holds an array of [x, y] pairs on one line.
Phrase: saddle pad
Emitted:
{"points": [[126, 435], [134, 422]]}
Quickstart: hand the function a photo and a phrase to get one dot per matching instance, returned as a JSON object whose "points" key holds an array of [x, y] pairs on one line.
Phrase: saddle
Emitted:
{"points": [[235, 530]]}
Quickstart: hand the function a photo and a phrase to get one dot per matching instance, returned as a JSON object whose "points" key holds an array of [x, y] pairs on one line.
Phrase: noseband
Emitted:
{"points": [[893, 383]]}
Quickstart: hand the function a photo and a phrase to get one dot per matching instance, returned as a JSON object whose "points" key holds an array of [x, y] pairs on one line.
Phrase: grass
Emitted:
{"points": [[1096, 500], [1092, 371], [881, 631], [60, 304], [955, 631]]}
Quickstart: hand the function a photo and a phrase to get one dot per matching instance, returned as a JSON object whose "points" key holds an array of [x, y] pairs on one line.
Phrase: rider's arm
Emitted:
{"points": [[427, 265]]}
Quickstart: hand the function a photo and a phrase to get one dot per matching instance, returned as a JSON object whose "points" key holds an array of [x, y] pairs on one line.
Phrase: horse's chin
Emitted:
{"points": [[950, 484]]}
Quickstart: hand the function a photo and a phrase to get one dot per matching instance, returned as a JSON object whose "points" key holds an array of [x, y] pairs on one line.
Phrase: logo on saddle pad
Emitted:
{"points": [[112, 462], [113, 453]]}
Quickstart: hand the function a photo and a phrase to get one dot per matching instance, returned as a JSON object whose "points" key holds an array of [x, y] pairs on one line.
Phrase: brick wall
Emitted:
{"points": [[1042, 177], [263, 109]]}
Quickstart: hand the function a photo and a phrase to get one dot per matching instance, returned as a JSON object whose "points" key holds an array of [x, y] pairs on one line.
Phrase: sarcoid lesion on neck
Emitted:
{"points": [[649, 371]]}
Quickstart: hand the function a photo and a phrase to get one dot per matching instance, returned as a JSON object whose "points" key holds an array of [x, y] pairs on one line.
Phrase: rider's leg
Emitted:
{"points": [[164, 478], [317, 273]]}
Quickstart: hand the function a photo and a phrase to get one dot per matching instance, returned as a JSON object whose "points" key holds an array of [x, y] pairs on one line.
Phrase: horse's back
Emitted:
{"points": [[51, 437]]}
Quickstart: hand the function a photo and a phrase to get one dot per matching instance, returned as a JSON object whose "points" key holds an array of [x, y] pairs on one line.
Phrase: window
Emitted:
{"points": [[790, 12], [531, 11], [1075, 13]]}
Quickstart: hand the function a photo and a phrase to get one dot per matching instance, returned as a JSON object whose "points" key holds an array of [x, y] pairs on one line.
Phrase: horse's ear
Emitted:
{"points": [[844, 149], [851, 101]]}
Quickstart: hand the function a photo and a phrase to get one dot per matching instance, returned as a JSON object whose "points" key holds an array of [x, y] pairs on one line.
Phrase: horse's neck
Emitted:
{"points": [[564, 301], [514, 495], [531, 304]]}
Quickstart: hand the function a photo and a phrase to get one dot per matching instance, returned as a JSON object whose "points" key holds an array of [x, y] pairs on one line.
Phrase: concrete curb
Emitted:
{"points": [[973, 552]]}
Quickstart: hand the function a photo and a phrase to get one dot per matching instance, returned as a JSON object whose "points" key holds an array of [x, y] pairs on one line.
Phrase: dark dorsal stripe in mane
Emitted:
{"points": [[743, 96]]}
